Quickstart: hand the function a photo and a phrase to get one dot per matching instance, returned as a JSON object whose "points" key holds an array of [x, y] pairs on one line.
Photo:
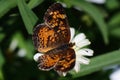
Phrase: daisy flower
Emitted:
{"points": [[115, 75], [80, 52], [80, 42]]}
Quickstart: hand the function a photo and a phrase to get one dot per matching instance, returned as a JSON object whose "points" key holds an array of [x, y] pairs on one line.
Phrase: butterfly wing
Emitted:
{"points": [[60, 60], [48, 61], [66, 62], [44, 38], [55, 16], [54, 32]]}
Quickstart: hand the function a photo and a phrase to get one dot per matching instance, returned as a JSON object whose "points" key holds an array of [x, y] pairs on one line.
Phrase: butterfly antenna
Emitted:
{"points": [[77, 31]]}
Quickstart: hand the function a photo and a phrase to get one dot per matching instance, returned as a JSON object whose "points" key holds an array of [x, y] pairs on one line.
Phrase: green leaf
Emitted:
{"points": [[1, 75], [2, 35], [94, 13], [112, 4], [115, 32], [34, 3], [1, 59], [67, 3], [99, 62], [114, 25], [24, 45], [1, 64], [115, 20], [28, 15], [5, 6]]}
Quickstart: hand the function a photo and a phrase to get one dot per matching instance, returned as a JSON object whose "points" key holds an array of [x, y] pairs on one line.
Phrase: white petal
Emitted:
{"points": [[36, 56], [83, 43], [21, 53], [85, 52], [79, 37], [115, 75], [97, 1], [13, 44], [72, 31], [64, 73], [83, 60], [77, 67]]}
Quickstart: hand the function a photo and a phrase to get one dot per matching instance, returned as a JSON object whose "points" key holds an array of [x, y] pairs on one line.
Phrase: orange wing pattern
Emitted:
{"points": [[54, 32], [66, 62], [61, 60], [55, 17]]}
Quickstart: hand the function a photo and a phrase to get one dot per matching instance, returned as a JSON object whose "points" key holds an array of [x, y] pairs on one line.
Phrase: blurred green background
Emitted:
{"points": [[99, 21]]}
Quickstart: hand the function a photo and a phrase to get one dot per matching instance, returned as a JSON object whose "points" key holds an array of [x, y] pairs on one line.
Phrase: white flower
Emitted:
{"points": [[36, 56], [80, 42], [115, 75], [22, 53]]}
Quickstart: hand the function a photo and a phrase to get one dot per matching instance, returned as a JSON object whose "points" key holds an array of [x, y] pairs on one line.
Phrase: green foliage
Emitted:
{"points": [[94, 13], [5, 6], [1, 65], [112, 4], [34, 3], [28, 16], [94, 66], [100, 22]]}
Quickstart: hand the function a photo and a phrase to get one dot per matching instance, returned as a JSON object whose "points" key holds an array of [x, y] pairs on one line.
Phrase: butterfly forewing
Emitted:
{"points": [[54, 32], [55, 16]]}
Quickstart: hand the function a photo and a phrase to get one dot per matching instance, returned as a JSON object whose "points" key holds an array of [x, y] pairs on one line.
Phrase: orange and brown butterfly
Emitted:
{"points": [[52, 39]]}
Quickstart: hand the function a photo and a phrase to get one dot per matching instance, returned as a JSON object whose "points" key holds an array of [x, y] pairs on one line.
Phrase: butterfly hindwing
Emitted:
{"points": [[66, 62], [59, 60]]}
